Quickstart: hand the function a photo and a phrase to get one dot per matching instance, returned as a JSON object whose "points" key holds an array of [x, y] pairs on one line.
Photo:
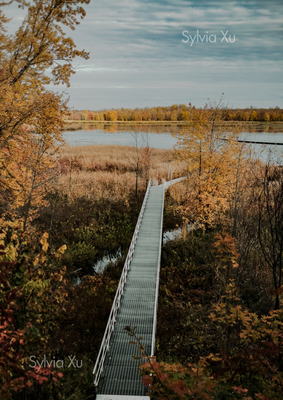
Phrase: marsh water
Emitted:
{"points": [[159, 137], [165, 137]]}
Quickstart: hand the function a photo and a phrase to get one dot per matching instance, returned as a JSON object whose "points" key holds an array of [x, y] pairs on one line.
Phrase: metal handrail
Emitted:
{"points": [[98, 368], [157, 281], [172, 182]]}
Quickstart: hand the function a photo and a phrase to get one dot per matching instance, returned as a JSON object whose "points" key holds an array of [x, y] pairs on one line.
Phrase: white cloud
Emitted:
{"points": [[137, 56]]}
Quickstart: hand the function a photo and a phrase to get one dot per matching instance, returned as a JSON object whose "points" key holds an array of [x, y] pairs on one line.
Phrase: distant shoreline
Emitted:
{"points": [[127, 122], [71, 125], [168, 122]]}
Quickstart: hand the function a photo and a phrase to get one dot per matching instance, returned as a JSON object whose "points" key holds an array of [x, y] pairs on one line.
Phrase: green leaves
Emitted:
{"points": [[36, 286]]}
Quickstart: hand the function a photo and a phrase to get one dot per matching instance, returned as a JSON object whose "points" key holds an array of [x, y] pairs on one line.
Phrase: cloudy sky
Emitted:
{"points": [[140, 55]]}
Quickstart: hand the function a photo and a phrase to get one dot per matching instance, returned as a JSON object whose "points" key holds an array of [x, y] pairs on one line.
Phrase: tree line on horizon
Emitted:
{"points": [[174, 113]]}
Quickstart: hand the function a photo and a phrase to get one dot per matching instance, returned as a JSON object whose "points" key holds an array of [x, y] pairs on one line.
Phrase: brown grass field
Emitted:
{"points": [[109, 171]]}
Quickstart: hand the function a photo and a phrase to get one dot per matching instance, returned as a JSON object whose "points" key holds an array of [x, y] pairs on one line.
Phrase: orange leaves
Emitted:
{"points": [[226, 249], [171, 380], [261, 396], [40, 375], [181, 389], [147, 380], [277, 291]]}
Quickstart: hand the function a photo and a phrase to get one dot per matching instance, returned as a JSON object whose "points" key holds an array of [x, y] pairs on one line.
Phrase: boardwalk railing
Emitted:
{"points": [[157, 280], [98, 368], [170, 183]]}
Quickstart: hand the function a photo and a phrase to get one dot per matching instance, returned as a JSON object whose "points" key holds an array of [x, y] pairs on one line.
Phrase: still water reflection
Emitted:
{"points": [[161, 137]]}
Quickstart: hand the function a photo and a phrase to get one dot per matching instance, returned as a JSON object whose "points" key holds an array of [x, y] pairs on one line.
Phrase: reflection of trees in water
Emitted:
{"points": [[142, 128], [113, 128], [166, 128], [264, 128]]}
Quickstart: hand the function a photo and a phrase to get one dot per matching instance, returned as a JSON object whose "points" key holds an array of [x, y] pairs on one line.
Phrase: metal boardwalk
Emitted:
{"points": [[116, 373]]}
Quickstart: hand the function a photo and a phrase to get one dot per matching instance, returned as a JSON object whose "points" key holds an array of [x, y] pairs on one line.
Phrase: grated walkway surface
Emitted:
{"points": [[138, 306]]}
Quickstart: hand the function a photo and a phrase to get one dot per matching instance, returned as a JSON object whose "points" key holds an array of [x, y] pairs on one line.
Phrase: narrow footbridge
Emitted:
{"points": [[116, 373]]}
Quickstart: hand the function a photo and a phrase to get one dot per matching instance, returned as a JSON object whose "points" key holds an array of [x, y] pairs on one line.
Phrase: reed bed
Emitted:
{"points": [[109, 171]]}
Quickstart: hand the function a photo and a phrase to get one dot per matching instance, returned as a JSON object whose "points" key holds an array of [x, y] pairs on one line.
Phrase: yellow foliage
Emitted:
{"points": [[211, 151], [44, 242], [60, 251], [31, 117]]}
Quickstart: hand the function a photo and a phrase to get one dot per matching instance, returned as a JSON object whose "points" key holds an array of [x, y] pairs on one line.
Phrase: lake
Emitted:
{"points": [[163, 140], [161, 137]]}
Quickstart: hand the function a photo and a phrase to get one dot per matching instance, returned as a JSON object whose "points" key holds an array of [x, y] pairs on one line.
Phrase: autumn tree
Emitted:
{"points": [[110, 115], [91, 116], [40, 43], [85, 115], [210, 149], [29, 113], [31, 121]]}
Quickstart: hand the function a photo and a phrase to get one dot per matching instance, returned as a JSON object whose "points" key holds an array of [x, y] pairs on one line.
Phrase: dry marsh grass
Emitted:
{"points": [[108, 171]]}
